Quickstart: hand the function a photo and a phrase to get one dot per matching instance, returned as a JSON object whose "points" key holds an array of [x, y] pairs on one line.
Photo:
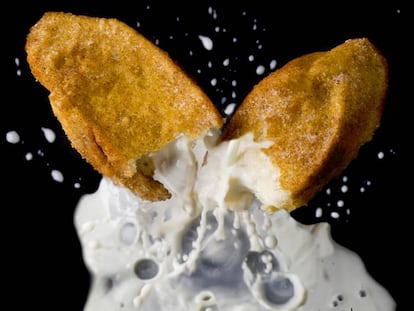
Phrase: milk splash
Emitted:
{"points": [[213, 246]]}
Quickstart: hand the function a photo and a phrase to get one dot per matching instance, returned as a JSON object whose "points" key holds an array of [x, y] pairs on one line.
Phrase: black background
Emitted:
{"points": [[40, 250]]}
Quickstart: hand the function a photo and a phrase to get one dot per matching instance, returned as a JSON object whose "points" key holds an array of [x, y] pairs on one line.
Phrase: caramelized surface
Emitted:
{"points": [[117, 95], [318, 110]]}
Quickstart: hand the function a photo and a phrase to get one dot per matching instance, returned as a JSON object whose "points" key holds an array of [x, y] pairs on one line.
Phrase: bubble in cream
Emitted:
{"points": [[207, 249]]}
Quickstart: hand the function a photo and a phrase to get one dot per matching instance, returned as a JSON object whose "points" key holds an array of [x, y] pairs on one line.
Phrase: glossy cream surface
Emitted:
{"points": [[213, 245]]}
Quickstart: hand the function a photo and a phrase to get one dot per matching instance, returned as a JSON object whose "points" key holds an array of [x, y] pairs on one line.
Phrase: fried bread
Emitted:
{"points": [[112, 91], [120, 98], [317, 110]]}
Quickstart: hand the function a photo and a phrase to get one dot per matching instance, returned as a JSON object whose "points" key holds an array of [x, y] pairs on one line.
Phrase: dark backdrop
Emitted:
{"points": [[41, 253]]}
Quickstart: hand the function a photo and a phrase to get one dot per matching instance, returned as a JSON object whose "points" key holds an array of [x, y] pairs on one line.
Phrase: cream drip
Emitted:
{"points": [[213, 245]]}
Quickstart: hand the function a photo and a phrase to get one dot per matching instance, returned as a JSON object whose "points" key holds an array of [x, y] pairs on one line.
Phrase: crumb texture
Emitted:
{"points": [[318, 110], [113, 90]]}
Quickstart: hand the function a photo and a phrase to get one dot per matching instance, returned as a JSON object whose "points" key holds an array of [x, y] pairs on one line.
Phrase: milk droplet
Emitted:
{"points": [[270, 241], [340, 203], [12, 137], [318, 212], [260, 70], [380, 155], [28, 156], [49, 134], [230, 109], [207, 42], [145, 291], [335, 215], [57, 175], [273, 64], [344, 188]]}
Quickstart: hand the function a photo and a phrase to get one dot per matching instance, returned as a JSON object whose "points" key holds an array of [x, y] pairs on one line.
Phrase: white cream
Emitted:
{"points": [[213, 246]]}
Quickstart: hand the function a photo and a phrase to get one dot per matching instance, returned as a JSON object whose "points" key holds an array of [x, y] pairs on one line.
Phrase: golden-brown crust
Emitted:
{"points": [[318, 110], [117, 95]]}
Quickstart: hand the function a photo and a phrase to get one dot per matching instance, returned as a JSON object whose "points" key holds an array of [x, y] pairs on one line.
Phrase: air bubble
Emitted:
{"points": [[262, 263], [206, 301], [279, 291], [108, 284], [146, 269], [362, 293]]}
